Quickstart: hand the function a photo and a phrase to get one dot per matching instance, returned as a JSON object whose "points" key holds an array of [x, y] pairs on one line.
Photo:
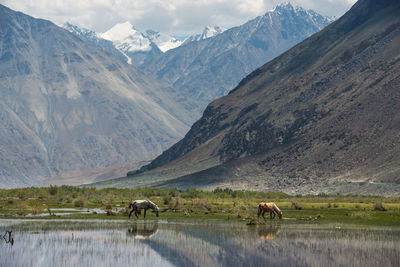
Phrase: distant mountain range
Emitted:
{"points": [[126, 42], [65, 105], [324, 117], [69, 106], [208, 65], [209, 68]]}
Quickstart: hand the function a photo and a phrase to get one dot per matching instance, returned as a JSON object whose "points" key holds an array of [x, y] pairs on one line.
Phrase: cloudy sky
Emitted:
{"points": [[176, 17]]}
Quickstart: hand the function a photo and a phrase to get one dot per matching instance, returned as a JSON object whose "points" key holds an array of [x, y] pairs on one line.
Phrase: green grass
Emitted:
{"points": [[217, 204]]}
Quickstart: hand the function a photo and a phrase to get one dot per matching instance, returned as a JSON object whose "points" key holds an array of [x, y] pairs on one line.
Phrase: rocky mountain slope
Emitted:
{"points": [[322, 117], [209, 68], [93, 39], [66, 105]]}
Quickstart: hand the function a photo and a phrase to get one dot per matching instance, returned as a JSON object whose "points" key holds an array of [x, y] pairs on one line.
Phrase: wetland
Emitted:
{"points": [[71, 226], [196, 243]]}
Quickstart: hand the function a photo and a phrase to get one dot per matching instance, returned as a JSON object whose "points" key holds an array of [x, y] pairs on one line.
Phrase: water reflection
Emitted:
{"points": [[143, 230], [268, 231], [193, 243], [7, 237]]}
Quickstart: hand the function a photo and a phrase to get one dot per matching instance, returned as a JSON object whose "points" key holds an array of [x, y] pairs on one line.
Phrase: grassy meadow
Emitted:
{"points": [[216, 204]]}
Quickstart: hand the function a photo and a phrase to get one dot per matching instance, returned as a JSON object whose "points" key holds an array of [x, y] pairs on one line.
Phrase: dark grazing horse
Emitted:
{"points": [[139, 205]]}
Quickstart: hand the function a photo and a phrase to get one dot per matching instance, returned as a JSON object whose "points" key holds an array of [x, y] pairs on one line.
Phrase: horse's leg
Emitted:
{"points": [[263, 214], [144, 214], [136, 214], [259, 213], [130, 213]]}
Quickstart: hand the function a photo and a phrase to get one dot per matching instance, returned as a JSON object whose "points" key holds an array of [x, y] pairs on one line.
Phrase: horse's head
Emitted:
{"points": [[156, 209], [280, 214], [130, 205]]}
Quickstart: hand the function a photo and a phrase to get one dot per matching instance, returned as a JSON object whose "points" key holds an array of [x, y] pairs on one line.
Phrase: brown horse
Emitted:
{"points": [[270, 207]]}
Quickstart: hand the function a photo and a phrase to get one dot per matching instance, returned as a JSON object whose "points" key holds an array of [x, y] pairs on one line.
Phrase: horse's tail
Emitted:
{"points": [[278, 211], [259, 210], [131, 205]]}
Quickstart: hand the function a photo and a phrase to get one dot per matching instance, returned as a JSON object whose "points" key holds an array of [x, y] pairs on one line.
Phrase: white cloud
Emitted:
{"points": [[179, 17]]}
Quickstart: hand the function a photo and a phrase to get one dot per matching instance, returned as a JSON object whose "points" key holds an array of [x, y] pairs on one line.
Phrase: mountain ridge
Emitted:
{"points": [[321, 118], [207, 69], [66, 106]]}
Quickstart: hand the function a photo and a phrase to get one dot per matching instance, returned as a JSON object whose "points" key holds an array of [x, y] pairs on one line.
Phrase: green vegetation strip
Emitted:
{"points": [[217, 204]]}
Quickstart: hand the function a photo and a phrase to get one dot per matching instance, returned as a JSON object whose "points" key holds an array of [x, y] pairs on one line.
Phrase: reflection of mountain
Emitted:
{"points": [[238, 245], [143, 230], [213, 245]]}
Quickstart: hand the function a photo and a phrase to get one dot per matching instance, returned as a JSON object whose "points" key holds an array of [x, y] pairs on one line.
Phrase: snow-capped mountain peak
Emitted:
{"points": [[208, 32], [126, 38], [162, 40], [119, 31]]}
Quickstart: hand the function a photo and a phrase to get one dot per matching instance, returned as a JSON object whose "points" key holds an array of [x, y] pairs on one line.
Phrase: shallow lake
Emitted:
{"points": [[194, 243]]}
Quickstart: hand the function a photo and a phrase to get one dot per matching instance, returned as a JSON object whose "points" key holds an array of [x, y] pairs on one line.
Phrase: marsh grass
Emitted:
{"points": [[220, 203]]}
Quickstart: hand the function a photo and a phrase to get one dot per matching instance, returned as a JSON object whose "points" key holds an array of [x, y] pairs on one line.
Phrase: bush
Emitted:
{"points": [[110, 213], [296, 205], [21, 195], [379, 206], [167, 200], [78, 203], [53, 190]]}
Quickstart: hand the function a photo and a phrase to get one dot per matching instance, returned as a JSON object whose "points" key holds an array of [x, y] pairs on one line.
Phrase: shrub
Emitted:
{"points": [[379, 206], [36, 211], [21, 195], [110, 213], [167, 200], [78, 203], [177, 205], [296, 205], [53, 190]]}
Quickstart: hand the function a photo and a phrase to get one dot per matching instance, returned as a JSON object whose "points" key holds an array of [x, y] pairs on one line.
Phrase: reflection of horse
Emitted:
{"points": [[270, 207], [268, 232], [142, 230], [138, 205]]}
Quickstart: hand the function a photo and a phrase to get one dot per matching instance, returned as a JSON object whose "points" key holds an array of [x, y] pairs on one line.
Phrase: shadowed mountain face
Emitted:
{"points": [[65, 105], [322, 117], [207, 69]]}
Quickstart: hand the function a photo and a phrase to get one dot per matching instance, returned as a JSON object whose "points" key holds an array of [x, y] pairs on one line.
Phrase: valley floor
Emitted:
{"points": [[67, 202]]}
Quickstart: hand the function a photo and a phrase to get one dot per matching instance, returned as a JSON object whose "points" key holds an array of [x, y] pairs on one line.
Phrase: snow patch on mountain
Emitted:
{"points": [[164, 41], [208, 32], [126, 38], [81, 32]]}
